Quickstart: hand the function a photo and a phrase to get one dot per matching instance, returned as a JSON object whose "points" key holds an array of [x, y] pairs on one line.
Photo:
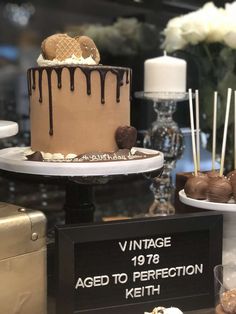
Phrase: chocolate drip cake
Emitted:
{"points": [[76, 108]]}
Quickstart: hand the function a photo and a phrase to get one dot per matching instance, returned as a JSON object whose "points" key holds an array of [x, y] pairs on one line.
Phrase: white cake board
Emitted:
{"points": [[8, 128], [12, 160], [229, 230]]}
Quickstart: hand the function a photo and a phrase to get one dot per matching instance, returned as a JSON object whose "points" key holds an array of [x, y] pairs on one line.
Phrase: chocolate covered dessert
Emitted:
{"points": [[196, 187], [232, 179], [219, 190], [77, 106], [227, 303]]}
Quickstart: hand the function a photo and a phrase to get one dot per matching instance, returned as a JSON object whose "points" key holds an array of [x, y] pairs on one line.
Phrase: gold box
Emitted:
{"points": [[23, 283]]}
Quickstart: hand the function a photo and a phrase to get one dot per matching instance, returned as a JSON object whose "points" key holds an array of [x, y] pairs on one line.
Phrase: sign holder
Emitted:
{"points": [[132, 266]]}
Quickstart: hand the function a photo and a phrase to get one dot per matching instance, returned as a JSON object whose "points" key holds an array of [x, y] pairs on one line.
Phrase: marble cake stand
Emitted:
{"points": [[8, 128], [79, 178]]}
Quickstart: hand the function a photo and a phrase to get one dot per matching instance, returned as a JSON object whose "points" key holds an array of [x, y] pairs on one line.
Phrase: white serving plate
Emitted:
{"points": [[204, 204], [12, 159], [8, 128]]}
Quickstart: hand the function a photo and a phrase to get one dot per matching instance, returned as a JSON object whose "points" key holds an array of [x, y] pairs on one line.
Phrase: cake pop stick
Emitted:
{"points": [[229, 93], [197, 128], [192, 131], [214, 131]]}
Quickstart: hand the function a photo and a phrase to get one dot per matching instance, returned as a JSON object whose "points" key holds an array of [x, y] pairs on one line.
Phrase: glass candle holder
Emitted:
{"points": [[164, 135]]}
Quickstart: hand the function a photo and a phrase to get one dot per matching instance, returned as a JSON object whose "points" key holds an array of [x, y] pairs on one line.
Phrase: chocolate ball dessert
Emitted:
{"points": [[125, 137], [228, 301], [232, 179], [219, 190], [219, 310], [196, 187], [231, 174]]}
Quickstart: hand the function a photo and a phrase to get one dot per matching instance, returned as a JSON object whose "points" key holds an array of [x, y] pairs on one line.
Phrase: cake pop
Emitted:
{"points": [[219, 190], [228, 301], [219, 310], [196, 187], [232, 179]]}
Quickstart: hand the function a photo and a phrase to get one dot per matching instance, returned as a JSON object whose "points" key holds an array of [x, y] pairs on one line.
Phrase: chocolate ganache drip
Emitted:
{"points": [[29, 82], [119, 82], [49, 76], [58, 71], [87, 73], [40, 84], [31, 79], [102, 77], [72, 77], [127, 76]]}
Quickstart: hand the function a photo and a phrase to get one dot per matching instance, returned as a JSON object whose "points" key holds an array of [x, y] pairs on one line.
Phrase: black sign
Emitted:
{"points": [[133, 266]]}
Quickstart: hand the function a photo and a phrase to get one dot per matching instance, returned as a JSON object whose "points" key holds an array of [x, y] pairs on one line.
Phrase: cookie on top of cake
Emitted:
{"points": [[78, 107]]}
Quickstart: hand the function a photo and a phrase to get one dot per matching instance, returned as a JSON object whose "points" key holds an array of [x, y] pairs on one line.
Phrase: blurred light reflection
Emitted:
{"points": [[19, 14]]}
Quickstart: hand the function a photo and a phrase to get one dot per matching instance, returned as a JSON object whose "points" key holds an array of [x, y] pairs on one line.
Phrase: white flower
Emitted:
{"points": [[209, 24], [230, 9], [216, 19], [194, 28], [230, 39], [173, 35]]}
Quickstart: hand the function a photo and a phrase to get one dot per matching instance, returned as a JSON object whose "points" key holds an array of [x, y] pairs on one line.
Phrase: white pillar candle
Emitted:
{"points": [[165, 74]]}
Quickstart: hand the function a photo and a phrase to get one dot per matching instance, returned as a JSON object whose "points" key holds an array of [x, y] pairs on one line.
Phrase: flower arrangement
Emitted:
{"points": [[206, 25], [208, 35]]}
